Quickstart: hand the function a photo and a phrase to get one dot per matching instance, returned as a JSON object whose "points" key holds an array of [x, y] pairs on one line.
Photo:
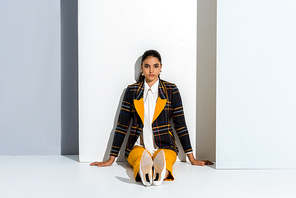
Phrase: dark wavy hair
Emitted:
{"points": [[147, 54]]}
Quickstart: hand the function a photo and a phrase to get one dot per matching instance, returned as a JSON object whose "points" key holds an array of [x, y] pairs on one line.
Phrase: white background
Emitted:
{"points": [[112, 37], [256, 59]]}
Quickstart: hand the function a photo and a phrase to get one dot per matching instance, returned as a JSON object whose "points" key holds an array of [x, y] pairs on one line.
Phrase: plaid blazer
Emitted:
{"points": [[168, 106]]}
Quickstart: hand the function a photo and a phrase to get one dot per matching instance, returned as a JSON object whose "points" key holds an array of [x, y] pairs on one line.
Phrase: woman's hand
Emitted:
{"points": [[109, 162], [198, 162]]}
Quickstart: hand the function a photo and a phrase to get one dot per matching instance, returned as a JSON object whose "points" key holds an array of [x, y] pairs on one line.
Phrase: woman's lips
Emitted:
{"points": [[151, 74]]}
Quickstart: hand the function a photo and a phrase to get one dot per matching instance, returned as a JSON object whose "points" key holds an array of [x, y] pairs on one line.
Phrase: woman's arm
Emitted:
{"points": [[109, 162], [123, 122], [120, 131], [179, 119], [181, 128]]}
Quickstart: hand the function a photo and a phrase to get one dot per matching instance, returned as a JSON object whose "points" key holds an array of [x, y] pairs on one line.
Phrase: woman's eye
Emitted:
{"points": [[146, 66], [156, 66]]}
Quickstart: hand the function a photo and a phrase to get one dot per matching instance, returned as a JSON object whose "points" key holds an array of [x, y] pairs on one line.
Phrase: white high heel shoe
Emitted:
{"points": [[146, 164], [159, 168]]}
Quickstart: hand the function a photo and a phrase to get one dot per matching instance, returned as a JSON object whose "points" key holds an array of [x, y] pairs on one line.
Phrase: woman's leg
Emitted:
{"points": [[134, 159], [170, 158]]}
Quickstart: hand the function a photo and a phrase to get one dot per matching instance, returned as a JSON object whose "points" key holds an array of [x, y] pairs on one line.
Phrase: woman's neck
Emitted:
{"points": [[151, 83]]}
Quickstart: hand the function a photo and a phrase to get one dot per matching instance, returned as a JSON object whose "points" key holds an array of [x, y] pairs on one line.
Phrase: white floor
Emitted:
{"points": [[64, 176]]}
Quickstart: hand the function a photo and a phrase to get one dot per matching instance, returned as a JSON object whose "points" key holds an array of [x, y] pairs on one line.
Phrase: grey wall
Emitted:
{"points": [[30, 85], [69, 74], [206, 79]]}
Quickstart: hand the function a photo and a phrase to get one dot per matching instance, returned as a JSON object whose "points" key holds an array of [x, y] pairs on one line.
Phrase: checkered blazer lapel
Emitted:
{"points": [[161, 100], [139, 102]]}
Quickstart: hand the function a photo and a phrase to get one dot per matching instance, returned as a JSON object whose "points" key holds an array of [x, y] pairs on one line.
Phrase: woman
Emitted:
{"points": [[151, 103]]}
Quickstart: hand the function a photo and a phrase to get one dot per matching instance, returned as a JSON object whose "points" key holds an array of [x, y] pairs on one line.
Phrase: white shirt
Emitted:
{"points": [[146, 139]]}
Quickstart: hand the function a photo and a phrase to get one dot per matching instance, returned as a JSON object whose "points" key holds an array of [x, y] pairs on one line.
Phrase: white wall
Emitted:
{"points": [[256, 58], [30, 109], [112, 37]]}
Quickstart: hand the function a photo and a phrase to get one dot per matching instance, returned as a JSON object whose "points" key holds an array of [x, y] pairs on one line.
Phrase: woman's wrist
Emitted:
{"points": [[112, 158], [190, 157]]}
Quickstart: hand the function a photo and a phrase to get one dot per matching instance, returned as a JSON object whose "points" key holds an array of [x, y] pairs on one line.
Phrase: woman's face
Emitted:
{"points": [[151, 68]]}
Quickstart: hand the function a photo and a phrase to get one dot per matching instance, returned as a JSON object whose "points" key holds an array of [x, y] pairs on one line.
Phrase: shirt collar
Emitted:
{"points": [[154, 87]]}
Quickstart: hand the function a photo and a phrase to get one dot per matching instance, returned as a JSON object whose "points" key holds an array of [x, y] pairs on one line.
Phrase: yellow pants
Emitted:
{"points": [[135, 155]]}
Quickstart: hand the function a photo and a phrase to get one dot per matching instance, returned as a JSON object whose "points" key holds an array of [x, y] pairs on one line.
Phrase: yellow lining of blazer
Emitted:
{"points": [[160, 104], [139, 105]]}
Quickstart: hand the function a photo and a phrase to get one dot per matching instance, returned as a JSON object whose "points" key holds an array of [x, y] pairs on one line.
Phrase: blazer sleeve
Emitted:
{"points": [[123, 122], [179, 120]]}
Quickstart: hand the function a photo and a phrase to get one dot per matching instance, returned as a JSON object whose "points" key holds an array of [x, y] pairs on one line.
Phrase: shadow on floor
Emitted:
{"points": [[72, 157], [129, 173]]}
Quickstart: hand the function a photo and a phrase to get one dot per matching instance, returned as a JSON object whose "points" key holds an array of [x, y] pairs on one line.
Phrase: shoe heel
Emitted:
{"points": [[146, 164], [159, 164]]}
